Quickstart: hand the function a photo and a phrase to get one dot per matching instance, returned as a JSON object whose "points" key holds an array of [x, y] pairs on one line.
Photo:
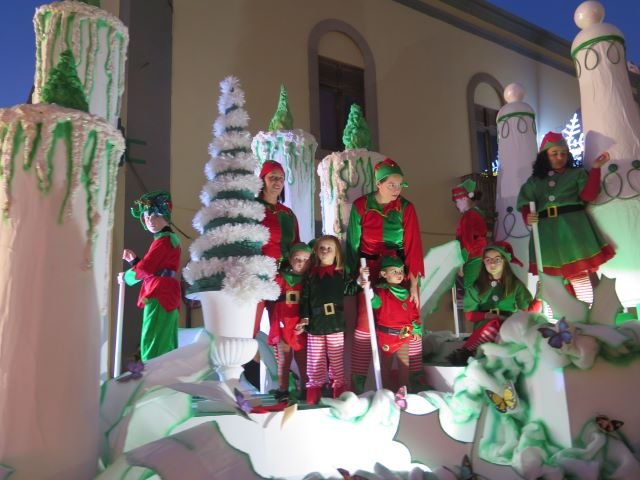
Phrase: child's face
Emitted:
{"points": [[393, 275], [299, 261], [154, 223], [390, 188], [326, 251], [463, 204], [494, 263]]}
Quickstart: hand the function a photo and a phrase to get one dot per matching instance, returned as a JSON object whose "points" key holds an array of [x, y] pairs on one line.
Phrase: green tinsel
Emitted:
{"points": [[356, 134], [282, 119], [63, 86]]}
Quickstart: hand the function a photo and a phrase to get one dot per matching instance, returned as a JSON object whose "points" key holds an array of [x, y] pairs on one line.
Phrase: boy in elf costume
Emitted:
{"points": [[398, 327], [381, 223], [158, 272], [286, 333], [471, 230]]}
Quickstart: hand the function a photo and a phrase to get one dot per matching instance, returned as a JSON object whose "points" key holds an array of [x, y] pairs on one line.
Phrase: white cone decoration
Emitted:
{"points": [[611, 122]]}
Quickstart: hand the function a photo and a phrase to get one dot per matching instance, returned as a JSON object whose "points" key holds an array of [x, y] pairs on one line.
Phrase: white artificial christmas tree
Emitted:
{"points": [[574, 136], [227, 272]]}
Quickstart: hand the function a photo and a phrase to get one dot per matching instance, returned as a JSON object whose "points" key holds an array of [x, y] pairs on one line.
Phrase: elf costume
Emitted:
{"points": [[284, 316], [570, 242], [322, 303], [397, 320], [376, 231], [471, 232], [158, 271]]}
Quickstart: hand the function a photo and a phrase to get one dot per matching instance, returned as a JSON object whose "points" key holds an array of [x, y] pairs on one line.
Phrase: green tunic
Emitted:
{"points": [[495, 298], [320, 290]]}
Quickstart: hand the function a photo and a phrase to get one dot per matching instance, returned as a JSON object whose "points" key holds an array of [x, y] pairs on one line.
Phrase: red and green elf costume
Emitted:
{"points": [[158, 270], [471, 232], [376, 231], [569, 240]]}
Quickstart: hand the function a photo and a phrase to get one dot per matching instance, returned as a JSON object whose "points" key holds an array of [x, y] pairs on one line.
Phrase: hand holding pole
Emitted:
{"points": [[368, 294]]}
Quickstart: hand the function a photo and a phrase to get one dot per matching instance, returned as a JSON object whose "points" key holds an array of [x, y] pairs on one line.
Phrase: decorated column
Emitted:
{"points": [[227, 271], [295, 150], [347, 175], [517, 151], [57, 188], [611, 122]]}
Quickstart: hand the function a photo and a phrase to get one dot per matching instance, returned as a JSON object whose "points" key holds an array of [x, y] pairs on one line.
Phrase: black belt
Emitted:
{"points": [[499, 312], [403, 332], [553, 211], [166, 272], [326, 309]]}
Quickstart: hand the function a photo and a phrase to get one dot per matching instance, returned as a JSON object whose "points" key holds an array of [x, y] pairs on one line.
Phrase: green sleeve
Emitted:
{"points": [[471, 301], [130, 277], [354, 234], [526, 195], [523, 297], [305, 309], [581, 178], [417, 328], [376, 302]]}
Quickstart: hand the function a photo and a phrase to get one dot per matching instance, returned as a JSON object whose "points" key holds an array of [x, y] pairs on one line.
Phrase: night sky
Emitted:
{"points": [[17, 49]]}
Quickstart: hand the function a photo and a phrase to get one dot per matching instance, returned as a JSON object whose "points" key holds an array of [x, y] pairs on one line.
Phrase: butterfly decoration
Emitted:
{"points": [[508, 401], [134, 370], [401, 398], [243, 407], [347, 476], [466, 470], [557, 336], [608, 425]]}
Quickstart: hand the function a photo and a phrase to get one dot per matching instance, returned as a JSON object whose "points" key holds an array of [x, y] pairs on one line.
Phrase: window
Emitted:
{"points": [[486, 139], [340, 86]]}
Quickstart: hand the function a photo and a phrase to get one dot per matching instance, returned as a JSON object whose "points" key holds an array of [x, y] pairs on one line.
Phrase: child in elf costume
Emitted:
{"points": [[398, 327], [158, 272], [381, 223], [471, 230], [321, 310], [286, 333]]}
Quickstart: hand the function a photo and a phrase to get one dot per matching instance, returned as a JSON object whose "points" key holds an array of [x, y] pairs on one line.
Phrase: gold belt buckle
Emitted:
{"points": [[495, 311], [405, 332], [292, 298], [552, 211], [329, 309]]}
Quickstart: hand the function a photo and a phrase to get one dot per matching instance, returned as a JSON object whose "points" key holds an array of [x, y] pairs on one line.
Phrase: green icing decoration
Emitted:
{"points": [[356, 133], [282, 119], [63, 86]]}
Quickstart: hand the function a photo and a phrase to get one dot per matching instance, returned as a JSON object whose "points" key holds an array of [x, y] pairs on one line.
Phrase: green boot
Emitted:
{"points": [[357, 383]]}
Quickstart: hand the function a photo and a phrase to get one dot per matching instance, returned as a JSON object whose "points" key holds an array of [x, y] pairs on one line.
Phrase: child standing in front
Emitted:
{"points": [[398, 327], [286, 334], [321, 310]]}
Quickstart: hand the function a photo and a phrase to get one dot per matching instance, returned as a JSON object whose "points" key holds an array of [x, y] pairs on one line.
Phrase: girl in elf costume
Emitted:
{"points": [[398, 327], [158, 272], [286, 334], [321, 310], [495, 295], [471, 230], [381, 223], [570, 243]]}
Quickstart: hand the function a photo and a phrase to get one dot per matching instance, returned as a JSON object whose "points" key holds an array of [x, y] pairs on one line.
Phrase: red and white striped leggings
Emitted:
{"points": [[319, 349]]}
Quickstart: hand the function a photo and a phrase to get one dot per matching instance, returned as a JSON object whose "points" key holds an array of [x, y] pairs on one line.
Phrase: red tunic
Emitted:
{"points": [[161, 255], [471, 232], [283, 230], [390, 311], [285, 313]]}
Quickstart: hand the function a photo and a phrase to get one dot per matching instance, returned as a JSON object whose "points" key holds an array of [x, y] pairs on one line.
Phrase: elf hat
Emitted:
{"points": [[505, 249], [465, 189], [300, 247], [386, 168], [552, 139], [153, 203], [389, 261], [269, 166]]}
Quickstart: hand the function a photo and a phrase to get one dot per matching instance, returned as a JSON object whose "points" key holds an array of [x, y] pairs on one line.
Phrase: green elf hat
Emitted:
{"points": [[386, 168], [505, 249], [389, 261], [465, 189], [153, 203], [552, 139], [300, 247]]}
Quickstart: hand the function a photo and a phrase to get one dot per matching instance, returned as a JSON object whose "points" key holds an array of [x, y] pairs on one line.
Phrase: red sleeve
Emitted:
{"points": [[414, 258], [525, 213], [152, 261], [535, 306], [474, 316], [592, 188], [473, 233]]}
